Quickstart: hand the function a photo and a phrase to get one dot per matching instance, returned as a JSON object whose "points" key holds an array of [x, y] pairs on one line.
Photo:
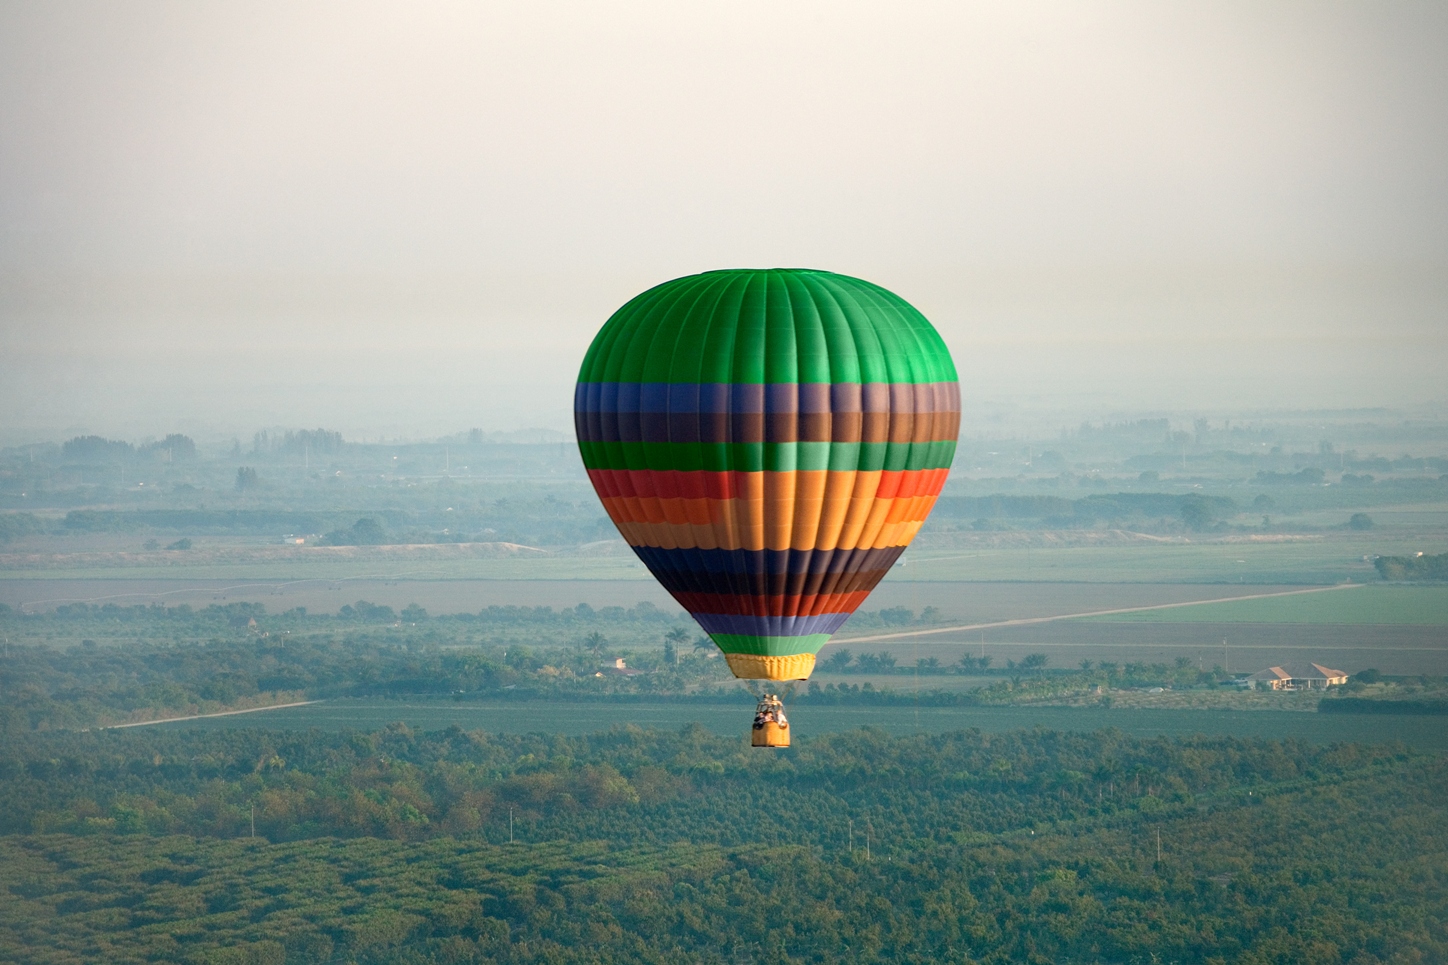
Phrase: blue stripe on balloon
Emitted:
{"points": [[765, 563]]}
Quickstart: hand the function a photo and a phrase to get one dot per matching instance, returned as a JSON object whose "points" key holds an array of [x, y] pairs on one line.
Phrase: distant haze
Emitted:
{"points": [[409, 219]]}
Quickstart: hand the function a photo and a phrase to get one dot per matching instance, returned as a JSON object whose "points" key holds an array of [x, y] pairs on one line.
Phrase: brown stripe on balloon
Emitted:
{"points": [[876, 427]]}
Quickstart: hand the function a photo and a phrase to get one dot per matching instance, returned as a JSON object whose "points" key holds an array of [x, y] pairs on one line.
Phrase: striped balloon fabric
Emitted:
{"points": [[768, 441]]}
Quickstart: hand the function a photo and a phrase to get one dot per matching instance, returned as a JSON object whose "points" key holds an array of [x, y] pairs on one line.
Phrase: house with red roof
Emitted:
{"points": [[1304, 676]]}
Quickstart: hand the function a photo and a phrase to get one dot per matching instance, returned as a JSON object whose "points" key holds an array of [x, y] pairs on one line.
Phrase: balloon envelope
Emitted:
{"points": [[768, 441]]}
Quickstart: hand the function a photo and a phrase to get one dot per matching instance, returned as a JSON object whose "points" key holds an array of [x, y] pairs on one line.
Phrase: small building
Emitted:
{"points": [[1305, 676], [619, 669]]}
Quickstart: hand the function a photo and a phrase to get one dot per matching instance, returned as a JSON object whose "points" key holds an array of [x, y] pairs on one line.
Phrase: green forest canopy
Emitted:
{"points": [[646, 846]]}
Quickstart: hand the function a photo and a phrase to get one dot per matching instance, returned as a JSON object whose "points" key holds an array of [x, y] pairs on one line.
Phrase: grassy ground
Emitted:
{"points": [[1315, 558], [1419, 605], [1221, 698]]}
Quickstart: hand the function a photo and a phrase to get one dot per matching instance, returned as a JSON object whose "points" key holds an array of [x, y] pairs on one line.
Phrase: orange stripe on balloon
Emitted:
{"points": [[834, 507], [809, 510]]}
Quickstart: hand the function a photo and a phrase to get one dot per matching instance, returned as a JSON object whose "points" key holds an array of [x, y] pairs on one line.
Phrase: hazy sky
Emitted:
{"points": [[411, 218]]}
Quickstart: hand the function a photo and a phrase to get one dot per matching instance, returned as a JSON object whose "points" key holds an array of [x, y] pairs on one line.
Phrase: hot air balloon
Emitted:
{"points": [[768, 441]]}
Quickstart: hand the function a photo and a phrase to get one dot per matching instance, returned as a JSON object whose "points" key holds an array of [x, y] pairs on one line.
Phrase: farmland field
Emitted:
{"points": [[1420, 605], [1302, 559], [1395, 649], [326, 596]]}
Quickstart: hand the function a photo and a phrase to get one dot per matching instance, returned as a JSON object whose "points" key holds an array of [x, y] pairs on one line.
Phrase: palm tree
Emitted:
{"points": [[672, 641], [595, 642]]}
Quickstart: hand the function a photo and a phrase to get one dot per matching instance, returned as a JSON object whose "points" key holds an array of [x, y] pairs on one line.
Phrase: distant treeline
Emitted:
{"points": [[341, 528], [218, 614], [300, 443], [92, 450], [1425, 567], [549, 523], [14, 525], [1297, 468], [195, 520], [1148, 431]]}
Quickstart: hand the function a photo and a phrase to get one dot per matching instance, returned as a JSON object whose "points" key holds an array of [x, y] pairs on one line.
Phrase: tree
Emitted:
{"points": [[365, 532], [1033, 661], [1360, 521], [897, 616], [839, 661], [673, 640], [94, 449], [882, 662], [173, 448], [246, 478], [1197, 512], [596, 643], [1420, 567]]}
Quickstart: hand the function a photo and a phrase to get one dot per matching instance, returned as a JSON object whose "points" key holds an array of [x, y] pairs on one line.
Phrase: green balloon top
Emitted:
{"points": [[767, 326]]}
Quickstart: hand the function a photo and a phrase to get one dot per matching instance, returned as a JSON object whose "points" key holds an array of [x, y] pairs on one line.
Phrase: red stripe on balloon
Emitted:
{"points": [[702, 484]]}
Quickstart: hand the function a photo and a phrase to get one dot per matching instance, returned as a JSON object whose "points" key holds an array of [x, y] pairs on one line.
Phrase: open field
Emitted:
{"points": [[1393, 648], [581, 718], [1251, 559], [1068, 556], [320, 565], [1421, 605], [327, 596]]}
